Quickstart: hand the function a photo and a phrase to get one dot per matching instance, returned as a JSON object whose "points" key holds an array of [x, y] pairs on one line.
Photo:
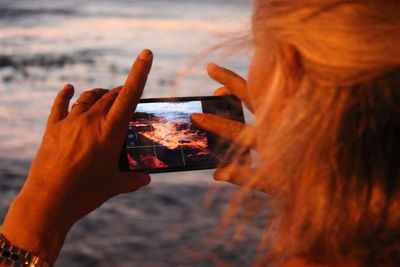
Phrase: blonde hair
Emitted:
{"points": [[329, 129]]}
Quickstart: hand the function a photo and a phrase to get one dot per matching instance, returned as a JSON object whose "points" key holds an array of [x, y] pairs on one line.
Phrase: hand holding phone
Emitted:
{"points": [[76, 167], [233, 84]]}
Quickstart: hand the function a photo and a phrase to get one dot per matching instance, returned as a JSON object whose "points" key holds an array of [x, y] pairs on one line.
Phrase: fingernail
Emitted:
{"points": [[221, 175], [68, 86], [212, 66], [145, 54], [197, 117]]}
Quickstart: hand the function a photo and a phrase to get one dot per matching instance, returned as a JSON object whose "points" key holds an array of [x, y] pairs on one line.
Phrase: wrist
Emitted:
{"points": [[36, 225]]}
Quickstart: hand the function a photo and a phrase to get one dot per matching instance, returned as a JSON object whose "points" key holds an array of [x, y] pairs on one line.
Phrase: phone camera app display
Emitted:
{"points": [[160, 135]]}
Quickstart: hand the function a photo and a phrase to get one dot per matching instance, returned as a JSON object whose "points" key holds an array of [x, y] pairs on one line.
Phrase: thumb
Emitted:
{"points": [[127, 182]]}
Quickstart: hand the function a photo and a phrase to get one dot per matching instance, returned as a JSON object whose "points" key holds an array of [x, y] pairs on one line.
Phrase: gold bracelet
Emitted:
{"points": [[13, 256]]}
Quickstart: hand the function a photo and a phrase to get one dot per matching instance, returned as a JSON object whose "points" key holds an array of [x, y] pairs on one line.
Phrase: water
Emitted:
{"points": [[92, 44], [45, 44]]}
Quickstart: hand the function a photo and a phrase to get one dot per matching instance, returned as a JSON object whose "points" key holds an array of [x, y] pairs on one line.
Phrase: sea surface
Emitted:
{"points": [[45, 44], [91, 44]]}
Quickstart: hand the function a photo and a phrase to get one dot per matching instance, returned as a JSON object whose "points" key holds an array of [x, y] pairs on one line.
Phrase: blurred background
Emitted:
{"points": [[45, 44]]}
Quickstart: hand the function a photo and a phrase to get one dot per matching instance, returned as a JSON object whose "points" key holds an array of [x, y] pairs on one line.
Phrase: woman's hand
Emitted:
{"points": [[76, 167], [233, 84]]}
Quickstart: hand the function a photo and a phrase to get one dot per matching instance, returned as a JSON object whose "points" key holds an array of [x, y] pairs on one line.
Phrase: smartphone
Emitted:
{"points": [[161, 137]]}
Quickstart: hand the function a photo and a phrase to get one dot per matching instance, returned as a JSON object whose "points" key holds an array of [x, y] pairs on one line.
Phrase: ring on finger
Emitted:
{"points": [[78, 102]]}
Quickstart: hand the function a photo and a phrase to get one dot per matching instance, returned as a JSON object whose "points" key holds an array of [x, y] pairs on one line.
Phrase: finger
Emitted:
{"points": [[222, 91], [86, 100], [60, 106], [226, 128], [233, 82], [127, 182], [238, 175], [128, 97], [105, 102], [243, 176]]}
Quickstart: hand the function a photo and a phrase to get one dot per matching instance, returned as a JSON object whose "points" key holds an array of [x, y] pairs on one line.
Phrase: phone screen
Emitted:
{"points": [[162, 138]]}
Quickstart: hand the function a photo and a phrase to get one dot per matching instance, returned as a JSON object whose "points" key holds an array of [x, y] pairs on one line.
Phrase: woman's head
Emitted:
{"points": [[325, 82], [339, 42]]}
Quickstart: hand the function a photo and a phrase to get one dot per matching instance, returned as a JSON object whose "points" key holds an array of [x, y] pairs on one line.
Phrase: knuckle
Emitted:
{"points": [[127, 96], [93, 92], [111, 95], [86, 94], [131, 88], [106, 98], [102, 101], [116, 89], [124, 101], [88, 117], [98, 90]]}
